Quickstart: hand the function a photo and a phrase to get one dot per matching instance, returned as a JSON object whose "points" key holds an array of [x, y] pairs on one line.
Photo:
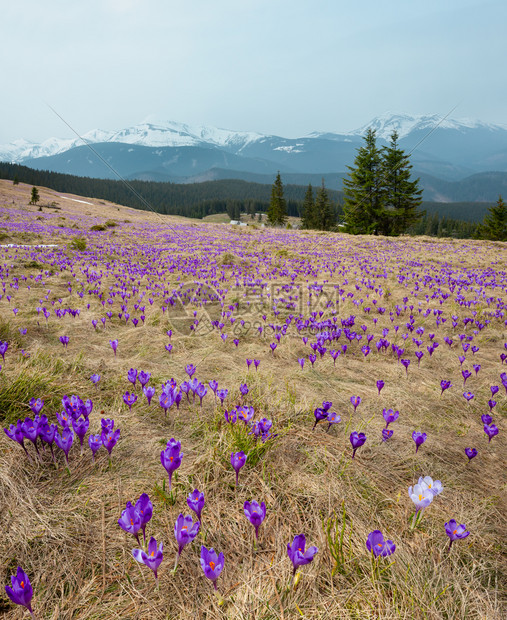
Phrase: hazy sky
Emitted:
{"points": [[285, 67]]}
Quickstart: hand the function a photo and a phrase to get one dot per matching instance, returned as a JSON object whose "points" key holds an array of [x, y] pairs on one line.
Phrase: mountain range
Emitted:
{"points": [[454, 159]]}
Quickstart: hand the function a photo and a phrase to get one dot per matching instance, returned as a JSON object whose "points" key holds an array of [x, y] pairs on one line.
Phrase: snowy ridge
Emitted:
{"points": [[163, 133], [151, 134], [405, 124]]}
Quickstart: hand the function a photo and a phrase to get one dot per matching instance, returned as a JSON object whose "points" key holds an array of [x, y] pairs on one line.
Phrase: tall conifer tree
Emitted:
{"points": [[494, 226], [308, 216], [323, 210], [277, 210], [363, 208], [401, 196]]}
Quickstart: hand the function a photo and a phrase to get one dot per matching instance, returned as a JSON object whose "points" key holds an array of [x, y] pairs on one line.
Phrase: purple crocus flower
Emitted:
{"points": [[171, 458], [16, 434], [201, 391], [195, 502], [256, 514], [110, 439], [491, 430], [445, 385], [486, 418], [376, 544], [357, 440], [47, 435], [455, 531], [107, 425], [114, 345], [190, 370], [332, 418], [145, 509], [386, 434], [222, 395], [143, 377], [297, 554], [468, 396], [64, 340], [243, 388], [256, 363], [213, 386], [80, 427], [64, 441], [245, 413], [149, 392], [334, 354], [419, 439], [130, 521], [301, 361], [312, 357], [153, 558], [491, 404], [248, 363], [494, 389], [21, 592], [31, 430], [185, 530], [211, 564], [405, 363], [356, 401], [95, 379], [64, 420], [390, 416], [129, 399], [36, 405], [132, 376], [466, 374], [319, 414], [231, 416], [471, 453], [166, 399], [380, 385], [95, 443], [238, 459], [3, 349]]}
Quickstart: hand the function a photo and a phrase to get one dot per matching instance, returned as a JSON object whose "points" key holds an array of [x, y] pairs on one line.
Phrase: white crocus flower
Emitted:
{"points": [[434, 486], [421, 496]]}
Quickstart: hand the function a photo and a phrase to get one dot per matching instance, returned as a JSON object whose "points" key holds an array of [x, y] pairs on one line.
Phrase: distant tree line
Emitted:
{"points": [[194, 200], [435, 225]]}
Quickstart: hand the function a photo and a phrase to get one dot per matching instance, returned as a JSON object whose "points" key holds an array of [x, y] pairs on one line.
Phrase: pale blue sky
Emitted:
{"points": [[285, 67]]}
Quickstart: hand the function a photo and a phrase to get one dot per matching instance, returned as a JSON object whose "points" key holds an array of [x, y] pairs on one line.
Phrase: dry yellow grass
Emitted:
{"points": [[62, 528]]}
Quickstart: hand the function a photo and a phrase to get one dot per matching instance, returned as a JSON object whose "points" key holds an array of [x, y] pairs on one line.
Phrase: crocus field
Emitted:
{"points": [[204, 421]]}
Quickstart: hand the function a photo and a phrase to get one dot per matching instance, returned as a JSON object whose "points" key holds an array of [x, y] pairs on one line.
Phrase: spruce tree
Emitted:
{"points": [[15, 181], [494, 226], [323, 210], [277, 210], [401, 196], [363, 208], [34, 199], [308, 215]]}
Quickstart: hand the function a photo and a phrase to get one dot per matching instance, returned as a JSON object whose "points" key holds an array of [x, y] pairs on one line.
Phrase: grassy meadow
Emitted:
{"points": [[211, 285]]}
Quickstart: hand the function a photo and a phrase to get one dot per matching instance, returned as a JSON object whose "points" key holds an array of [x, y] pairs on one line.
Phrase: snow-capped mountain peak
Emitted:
{"points": [[151, 133], [405, 124]]}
